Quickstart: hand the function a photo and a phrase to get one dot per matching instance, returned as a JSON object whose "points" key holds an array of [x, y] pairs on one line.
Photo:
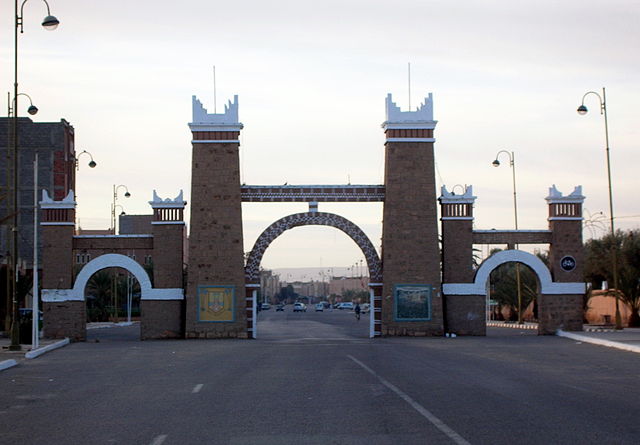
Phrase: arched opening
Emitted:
{"points": [[329, 308], [112, 298], [112, 286], [513, 290]]}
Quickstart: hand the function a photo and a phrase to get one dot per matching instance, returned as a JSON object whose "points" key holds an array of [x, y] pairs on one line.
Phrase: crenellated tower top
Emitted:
{"points": [[215, 127], [565, 207], [409, 126]]}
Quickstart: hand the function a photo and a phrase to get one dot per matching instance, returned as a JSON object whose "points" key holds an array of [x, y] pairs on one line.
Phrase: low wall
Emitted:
{"points": [[65, 319], [161, 319], [465, 314]]}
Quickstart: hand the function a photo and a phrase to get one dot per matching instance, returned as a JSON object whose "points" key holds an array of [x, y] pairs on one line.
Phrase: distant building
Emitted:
{"points": [[54, 144], [338, 285]]}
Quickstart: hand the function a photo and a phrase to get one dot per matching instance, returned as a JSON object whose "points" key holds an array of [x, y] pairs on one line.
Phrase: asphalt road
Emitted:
{"points": [[315, 378]]}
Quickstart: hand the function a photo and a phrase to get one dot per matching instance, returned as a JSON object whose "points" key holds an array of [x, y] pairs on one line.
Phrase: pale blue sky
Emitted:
{"points": [[312, 78]]}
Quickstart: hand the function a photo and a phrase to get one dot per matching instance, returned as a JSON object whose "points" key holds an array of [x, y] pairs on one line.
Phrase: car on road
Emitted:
{"points": [[265, 306], [299, 307], [319, 307], [280, 307], [365, 308], [348, 306]]}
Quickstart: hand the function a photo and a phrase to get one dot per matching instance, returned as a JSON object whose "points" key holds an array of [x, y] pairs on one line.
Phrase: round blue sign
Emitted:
{"points": [[568, 263]]}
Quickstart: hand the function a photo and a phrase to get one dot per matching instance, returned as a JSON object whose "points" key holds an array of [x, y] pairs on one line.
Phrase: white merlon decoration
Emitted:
{"points": [[159, 203], [205, 121], [69, 202], [556, 197], [447, 197], [422, 117]]}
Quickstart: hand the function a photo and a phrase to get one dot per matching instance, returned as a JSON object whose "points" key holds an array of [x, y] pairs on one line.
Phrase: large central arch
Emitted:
{"points": [[252, 268]]}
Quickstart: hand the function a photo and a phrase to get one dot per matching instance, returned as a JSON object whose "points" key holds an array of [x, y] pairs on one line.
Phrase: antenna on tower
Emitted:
{"points": [[214, 90], [409, 82]]}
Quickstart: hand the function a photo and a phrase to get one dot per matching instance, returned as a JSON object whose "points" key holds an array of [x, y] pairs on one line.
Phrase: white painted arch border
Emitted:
{"points": [[547, 286], [105, 261]]}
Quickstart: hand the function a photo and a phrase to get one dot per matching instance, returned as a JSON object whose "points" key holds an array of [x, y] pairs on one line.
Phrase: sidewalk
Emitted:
{"points": [[627, 339], [9, 358]]}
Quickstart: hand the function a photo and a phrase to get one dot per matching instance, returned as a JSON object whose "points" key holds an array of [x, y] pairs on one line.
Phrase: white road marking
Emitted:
{"points": [[197, 388], [455, 437], [159, 439]]}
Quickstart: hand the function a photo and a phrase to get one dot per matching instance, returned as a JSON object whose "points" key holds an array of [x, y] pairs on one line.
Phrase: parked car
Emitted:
{"points": [[280, 307], [319, 307], [299, 307], [265, 306], [348, 306]]}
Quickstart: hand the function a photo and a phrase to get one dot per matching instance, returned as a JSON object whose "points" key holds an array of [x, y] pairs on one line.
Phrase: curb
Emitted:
{"points": [[599, 341], [6, 364], [501, 324], [38, 352]]}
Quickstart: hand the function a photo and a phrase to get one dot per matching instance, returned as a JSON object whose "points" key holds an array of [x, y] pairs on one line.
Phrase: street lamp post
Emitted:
{"points": [[49, 23], [582, 110], [113, 205], [91, 163], [512, 164]]}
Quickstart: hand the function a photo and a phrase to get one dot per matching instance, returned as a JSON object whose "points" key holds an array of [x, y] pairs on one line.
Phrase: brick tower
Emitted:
{"points": [[215, 306], [63, 316], [566, 261], [411, 299]]}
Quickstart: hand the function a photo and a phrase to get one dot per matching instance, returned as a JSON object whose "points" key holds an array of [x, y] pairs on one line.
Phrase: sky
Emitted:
{"points": [[312, 78]]}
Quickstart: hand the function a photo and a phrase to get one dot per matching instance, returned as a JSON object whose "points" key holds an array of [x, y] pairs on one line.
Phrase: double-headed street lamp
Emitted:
{"points": [[113, 205], [512, 164], [582, 110], [49, 23]]}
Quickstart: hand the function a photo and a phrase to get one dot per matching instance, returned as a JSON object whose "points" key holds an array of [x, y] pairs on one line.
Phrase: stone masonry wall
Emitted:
{"points": [[466, 314], [65, 319], [410, 248], [559, 312], [57, 257], [216, 255], [167, 255], [457, 251], [161, 319]]}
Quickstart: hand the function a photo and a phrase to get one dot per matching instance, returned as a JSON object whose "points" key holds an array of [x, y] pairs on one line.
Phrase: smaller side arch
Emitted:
{"points": [[516, 256], [547, 286], [112, 260]]}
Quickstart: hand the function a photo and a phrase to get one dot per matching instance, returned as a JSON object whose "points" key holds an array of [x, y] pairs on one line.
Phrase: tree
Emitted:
{"points": [[99, 291], [287, 294], [598, 254], [503, 285]]}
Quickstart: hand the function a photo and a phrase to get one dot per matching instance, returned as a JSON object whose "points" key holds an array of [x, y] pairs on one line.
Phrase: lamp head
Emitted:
{"points": [[496, 163], [50, 23], [92, 163], [127, 194], [582, 110], [32, 110], [122, 214]]}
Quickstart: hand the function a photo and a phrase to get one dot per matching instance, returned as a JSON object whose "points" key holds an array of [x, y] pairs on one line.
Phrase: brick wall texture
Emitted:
{"points": [[65, 319], [161, 319], [410, 251], [216, 255]]}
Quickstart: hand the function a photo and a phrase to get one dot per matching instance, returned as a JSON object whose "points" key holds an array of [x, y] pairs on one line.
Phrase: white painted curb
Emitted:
{"points": [[6, 364], [38, 352], [599, 341]]}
